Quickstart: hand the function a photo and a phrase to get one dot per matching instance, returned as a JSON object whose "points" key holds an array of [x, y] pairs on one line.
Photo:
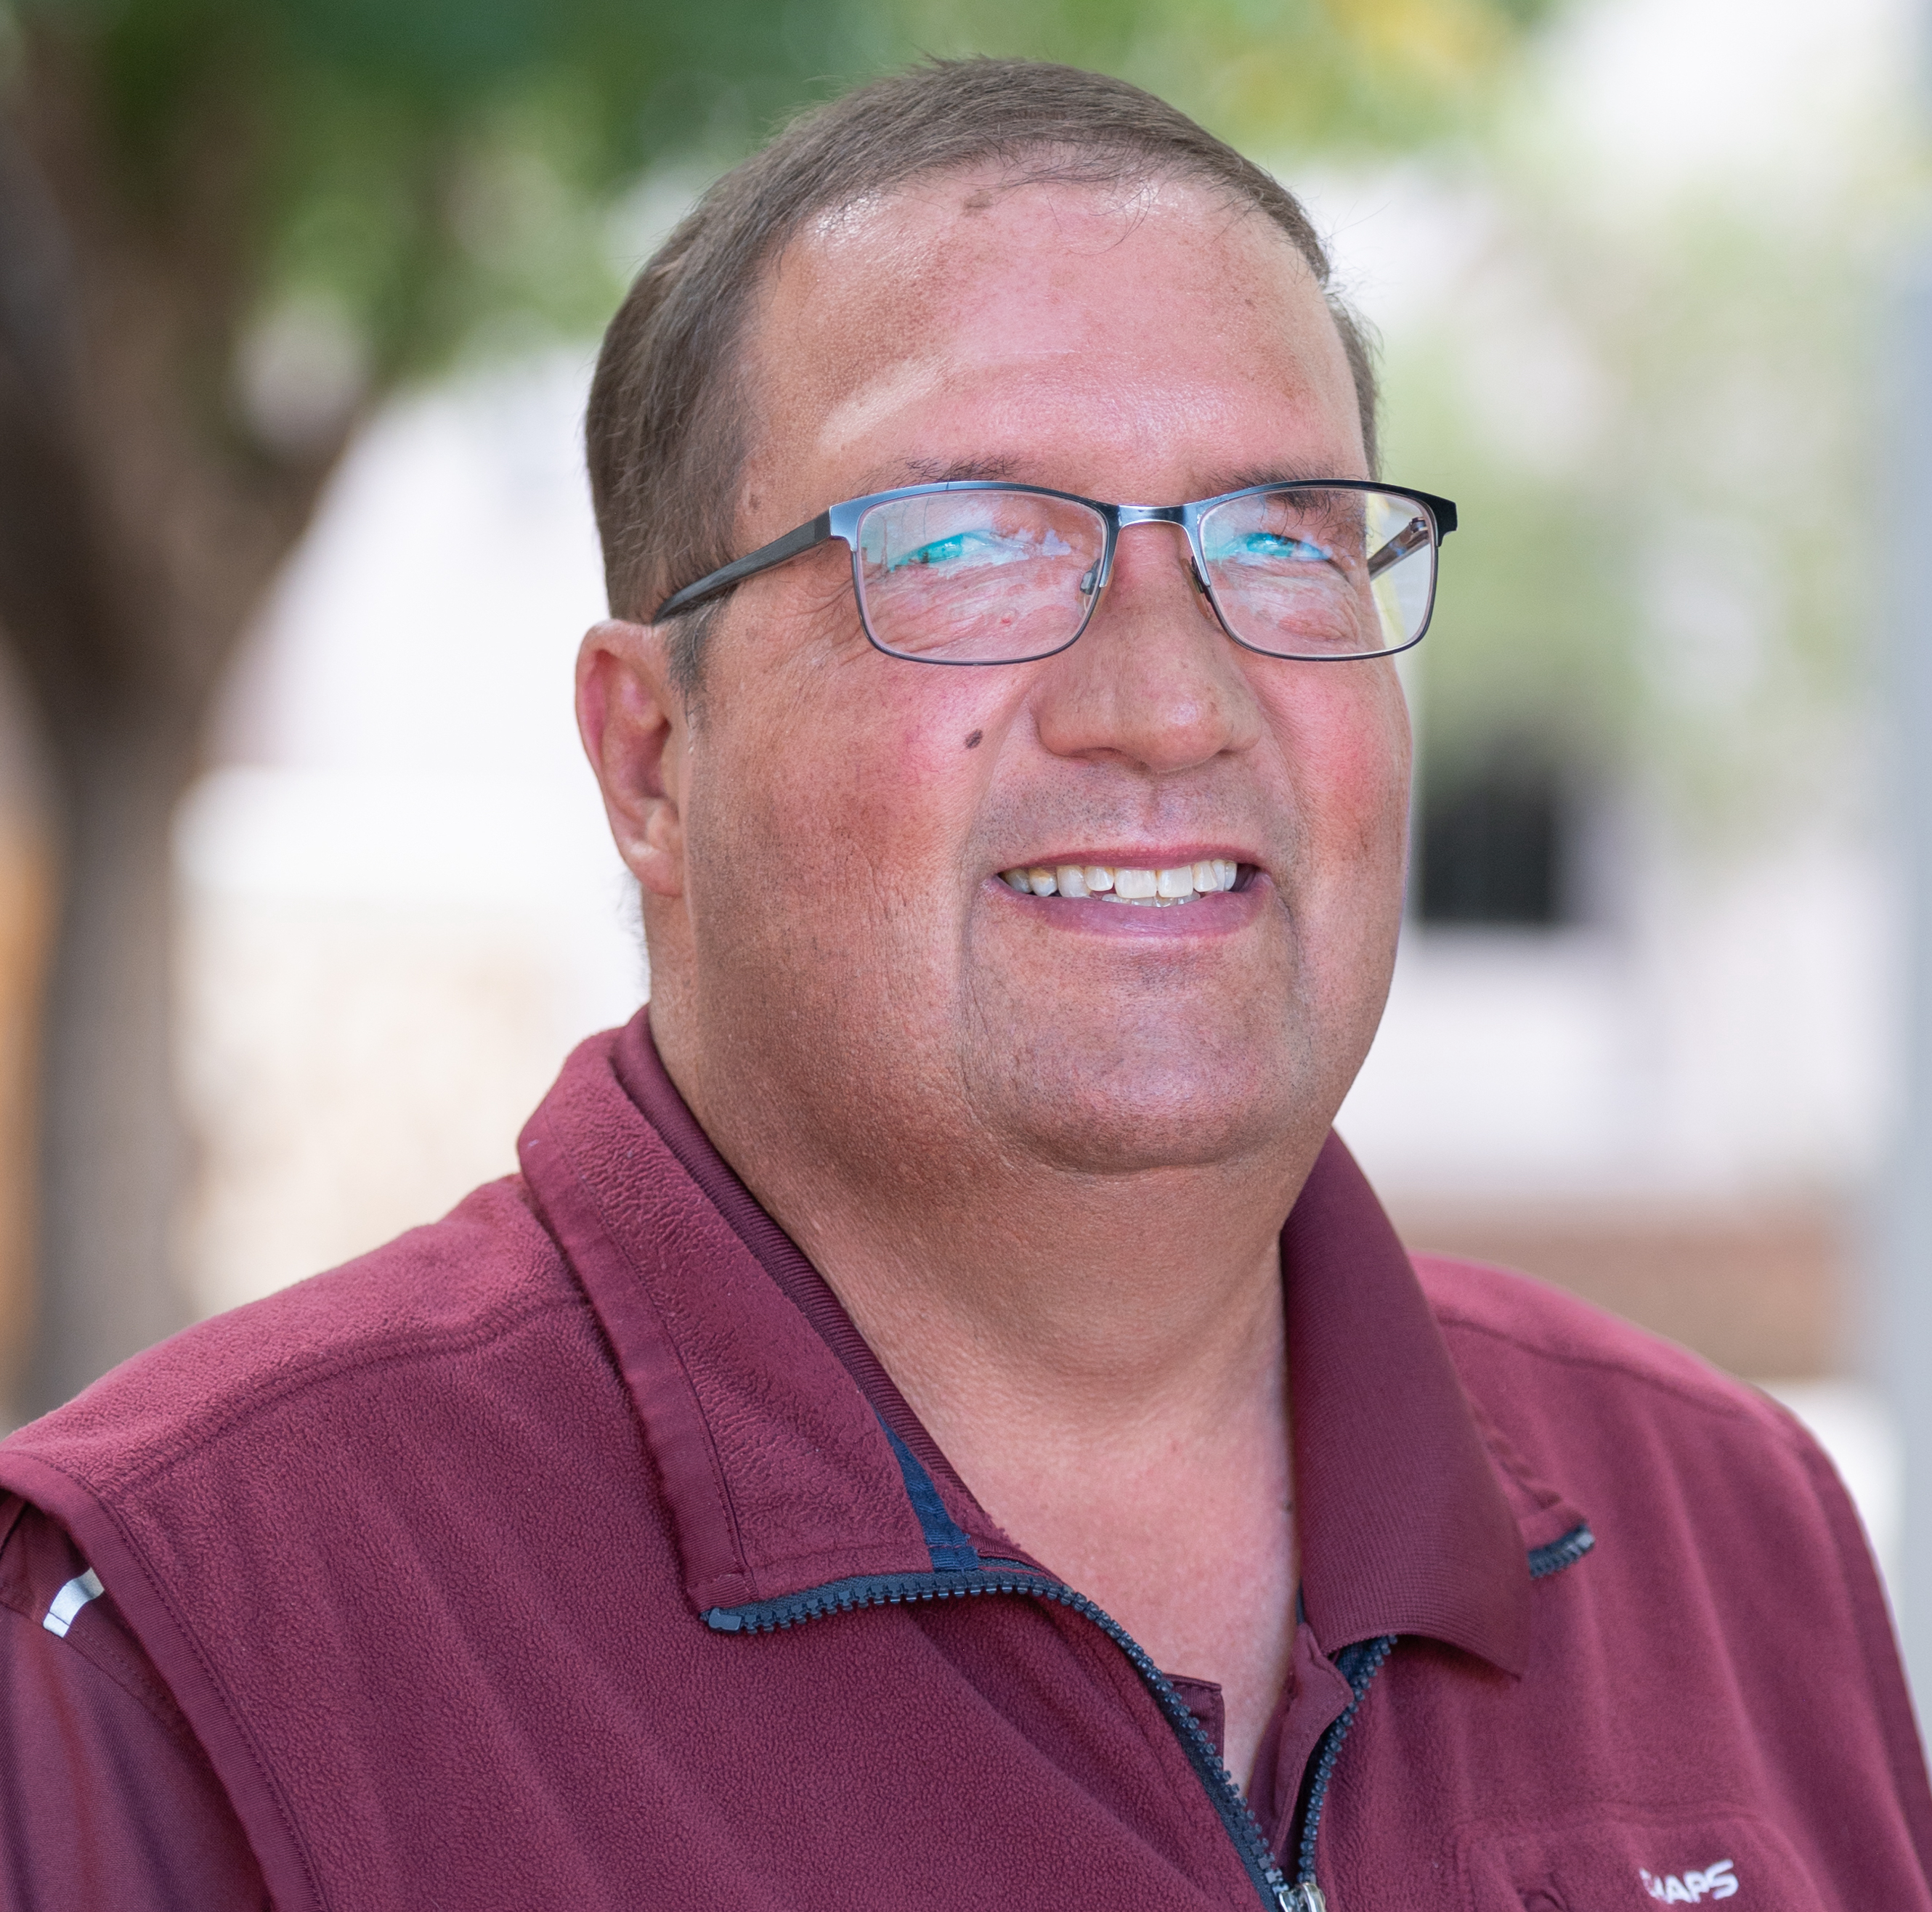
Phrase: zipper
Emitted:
{"points": [[1251, 1843], [1358, 1664], [1558, 1554]]}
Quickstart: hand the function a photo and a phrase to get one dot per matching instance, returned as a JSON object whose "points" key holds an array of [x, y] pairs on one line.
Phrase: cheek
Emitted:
{"points": [[863, 773], [1347, 748]]}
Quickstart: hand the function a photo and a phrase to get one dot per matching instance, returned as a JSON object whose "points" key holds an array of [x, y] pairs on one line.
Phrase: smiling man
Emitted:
{"points": [[939, 1418]]}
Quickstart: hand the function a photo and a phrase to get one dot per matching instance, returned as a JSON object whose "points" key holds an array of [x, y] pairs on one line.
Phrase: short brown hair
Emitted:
{"points": [[665, 430]]}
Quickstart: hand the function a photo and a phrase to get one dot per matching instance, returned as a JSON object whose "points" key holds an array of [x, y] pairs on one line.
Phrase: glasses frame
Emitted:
{"points": [[840, 523]]}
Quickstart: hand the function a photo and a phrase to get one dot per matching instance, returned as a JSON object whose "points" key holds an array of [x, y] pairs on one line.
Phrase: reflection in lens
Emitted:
{"points": [[977, 577], [1403, 565], [1310, 572], [989, 575]]}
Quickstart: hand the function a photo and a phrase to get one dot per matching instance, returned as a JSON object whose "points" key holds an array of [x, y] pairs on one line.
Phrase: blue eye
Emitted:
{"points": [[962, 544], [980, 545], [1268, 548]]}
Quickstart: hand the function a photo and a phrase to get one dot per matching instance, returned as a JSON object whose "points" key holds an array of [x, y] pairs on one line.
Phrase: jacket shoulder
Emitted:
{"points": [[1566, 1378], [486, 1268]]}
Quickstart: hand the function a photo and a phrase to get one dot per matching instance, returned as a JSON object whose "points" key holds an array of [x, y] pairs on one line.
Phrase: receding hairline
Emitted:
{"points": [[1102, 163], [999, 178], [1007, 174], [1123, 170]]}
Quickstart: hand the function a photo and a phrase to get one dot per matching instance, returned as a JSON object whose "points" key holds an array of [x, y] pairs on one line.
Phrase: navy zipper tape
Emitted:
{"points": [[1230, 1803], [1360, 1663], [958, 1572], [876, 1589], [953, 1553], [1544, 1561], [946, 1540]]}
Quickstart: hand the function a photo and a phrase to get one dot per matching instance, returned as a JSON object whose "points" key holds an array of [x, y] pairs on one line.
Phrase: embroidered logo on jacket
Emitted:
{"points": [[1716, 1880]]}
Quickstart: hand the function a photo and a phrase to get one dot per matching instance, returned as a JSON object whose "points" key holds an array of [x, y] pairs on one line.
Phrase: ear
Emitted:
{"points": [[635, 731]]}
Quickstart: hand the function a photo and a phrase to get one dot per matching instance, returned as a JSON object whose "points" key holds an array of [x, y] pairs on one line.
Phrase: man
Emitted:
{"points": [[939, 1419]]}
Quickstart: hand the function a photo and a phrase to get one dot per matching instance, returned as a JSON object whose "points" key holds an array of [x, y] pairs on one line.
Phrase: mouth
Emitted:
{"points": [[1145, 889]]}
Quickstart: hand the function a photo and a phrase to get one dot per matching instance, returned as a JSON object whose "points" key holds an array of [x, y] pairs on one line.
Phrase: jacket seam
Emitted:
{"points": [[1502, 1453], [369, 1361], [176, 1727], [1728, 1409], [264, 1773]]}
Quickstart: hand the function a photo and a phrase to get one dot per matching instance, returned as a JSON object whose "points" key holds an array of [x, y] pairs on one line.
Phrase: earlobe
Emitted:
{"points": [[633, 724]]}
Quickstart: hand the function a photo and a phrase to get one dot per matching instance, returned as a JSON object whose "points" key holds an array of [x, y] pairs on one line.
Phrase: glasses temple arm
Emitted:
{"points": [[716, 583], [1413, 537]]}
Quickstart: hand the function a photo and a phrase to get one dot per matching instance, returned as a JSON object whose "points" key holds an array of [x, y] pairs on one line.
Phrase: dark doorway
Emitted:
{"points": [[1492, 845]]}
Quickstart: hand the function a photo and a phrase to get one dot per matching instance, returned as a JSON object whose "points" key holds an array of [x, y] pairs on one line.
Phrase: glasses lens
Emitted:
{"points": [[1309, 572], [978, 576]]}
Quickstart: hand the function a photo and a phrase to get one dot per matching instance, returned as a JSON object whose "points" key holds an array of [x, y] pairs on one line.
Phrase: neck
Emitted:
{"points": [[1087, 1308], [1089, 1305]]}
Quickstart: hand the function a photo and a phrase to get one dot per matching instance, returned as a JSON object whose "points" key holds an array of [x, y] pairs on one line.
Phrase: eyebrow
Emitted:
{"points": [[1287, 473], [956, 471]]}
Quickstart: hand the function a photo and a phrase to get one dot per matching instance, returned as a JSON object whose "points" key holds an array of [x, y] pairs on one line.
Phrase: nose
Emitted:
{"points": [[1154, 683]]}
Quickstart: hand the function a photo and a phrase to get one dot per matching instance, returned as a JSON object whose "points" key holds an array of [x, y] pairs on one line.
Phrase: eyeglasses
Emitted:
{"points": [[975, 573]]}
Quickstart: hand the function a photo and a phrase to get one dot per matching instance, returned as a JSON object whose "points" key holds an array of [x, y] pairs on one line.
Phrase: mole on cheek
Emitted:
{"points": [[972, 742]]}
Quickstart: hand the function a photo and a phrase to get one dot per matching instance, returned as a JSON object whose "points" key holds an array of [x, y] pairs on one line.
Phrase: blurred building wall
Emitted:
{"points": [[1677, 1117], [1665, 1071], [400, 905]]}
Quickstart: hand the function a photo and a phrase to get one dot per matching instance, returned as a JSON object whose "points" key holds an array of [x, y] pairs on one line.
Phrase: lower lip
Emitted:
{"points": [[1219, 913]]}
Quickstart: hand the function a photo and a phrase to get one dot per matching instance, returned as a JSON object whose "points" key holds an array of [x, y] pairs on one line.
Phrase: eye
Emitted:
{"points": [[980, 545], [1269, 547], [962, 547]]}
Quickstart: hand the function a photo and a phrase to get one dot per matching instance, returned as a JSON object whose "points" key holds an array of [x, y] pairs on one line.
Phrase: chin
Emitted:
{"points": [[1113, 1123]]}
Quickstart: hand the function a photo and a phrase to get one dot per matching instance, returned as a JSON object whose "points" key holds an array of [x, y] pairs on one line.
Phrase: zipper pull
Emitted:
{"points": [[1306, 1897]]}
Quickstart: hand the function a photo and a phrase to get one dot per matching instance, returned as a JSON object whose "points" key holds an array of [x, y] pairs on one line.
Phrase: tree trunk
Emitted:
{"points": [[140, 522], [112, 1151]]}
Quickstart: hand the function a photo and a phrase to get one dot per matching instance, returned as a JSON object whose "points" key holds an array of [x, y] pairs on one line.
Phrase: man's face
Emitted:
{"points": [[846, 816]]}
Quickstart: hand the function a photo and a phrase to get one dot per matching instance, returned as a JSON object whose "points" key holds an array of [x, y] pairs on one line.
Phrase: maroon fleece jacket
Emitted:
{"points": [[576, 1551]]}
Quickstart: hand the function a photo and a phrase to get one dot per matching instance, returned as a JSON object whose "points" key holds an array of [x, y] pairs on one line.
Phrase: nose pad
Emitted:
{"points": [[1095, 579]]}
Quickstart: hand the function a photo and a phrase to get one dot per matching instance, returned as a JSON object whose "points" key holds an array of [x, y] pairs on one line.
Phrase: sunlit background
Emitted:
{"points": [[1635, 284]]}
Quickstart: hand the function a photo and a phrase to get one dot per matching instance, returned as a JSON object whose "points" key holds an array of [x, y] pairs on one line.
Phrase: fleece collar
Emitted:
{"points": [[782, 1444]]}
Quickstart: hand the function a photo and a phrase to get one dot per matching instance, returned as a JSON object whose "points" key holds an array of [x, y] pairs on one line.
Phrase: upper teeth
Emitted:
{"points": [[1122, 885]]}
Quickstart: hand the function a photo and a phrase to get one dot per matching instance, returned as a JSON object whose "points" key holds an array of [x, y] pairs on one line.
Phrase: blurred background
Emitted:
{"points": [[304, 888]]}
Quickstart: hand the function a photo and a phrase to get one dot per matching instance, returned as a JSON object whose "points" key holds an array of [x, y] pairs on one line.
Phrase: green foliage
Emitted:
{"points": [[428, 167], [426, 164], [1290, 76], [430, 172]]}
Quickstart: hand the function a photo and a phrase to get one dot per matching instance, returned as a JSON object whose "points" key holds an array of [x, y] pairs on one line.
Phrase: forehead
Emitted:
{"points": [[1149, 334]]}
